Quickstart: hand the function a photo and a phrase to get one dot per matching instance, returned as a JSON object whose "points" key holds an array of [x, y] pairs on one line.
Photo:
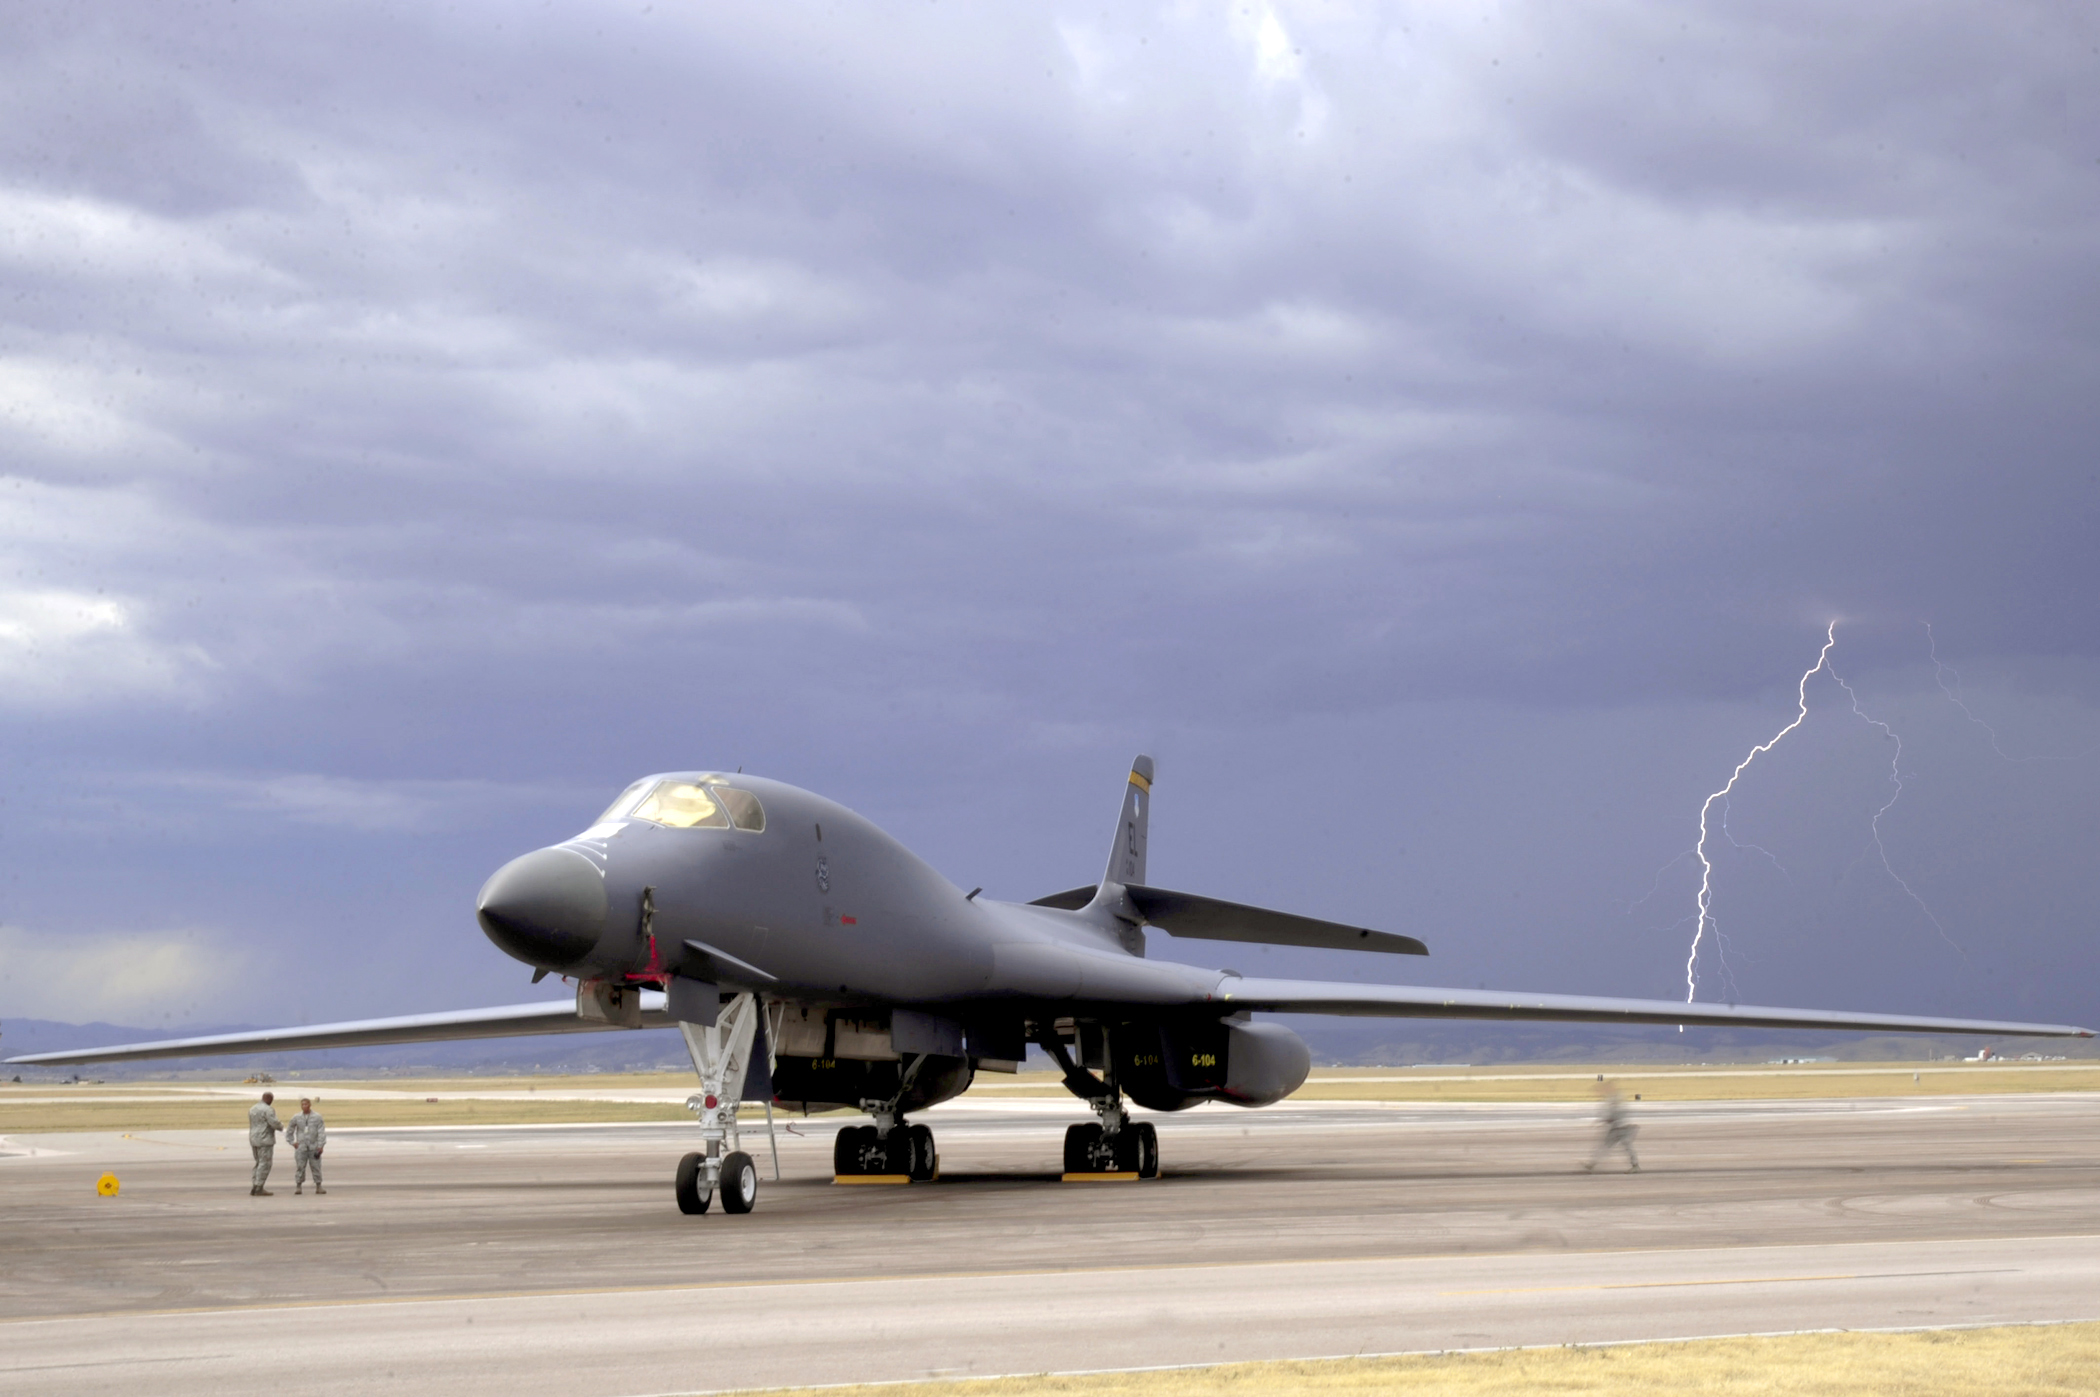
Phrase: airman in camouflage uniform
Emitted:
{"points": [[306, 1134], [1616, 1132], [262, 1142]]}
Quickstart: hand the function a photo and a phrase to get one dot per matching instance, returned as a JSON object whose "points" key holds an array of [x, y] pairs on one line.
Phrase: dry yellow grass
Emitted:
{"points": [[2050, 1361], [1737, 1082], [1714, 1084]]}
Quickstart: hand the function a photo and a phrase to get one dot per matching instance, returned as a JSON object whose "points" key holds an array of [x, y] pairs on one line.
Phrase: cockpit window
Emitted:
{"points": [[743, 807], [621, 806], [682, 805]]}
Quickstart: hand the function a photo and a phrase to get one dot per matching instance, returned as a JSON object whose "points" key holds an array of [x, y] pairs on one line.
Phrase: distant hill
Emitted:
{"points": [[641, 1050]]}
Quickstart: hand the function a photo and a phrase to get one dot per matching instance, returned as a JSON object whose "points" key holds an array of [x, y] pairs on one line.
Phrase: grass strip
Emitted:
{"points": [[1559, 1084], [2017, 1361]]}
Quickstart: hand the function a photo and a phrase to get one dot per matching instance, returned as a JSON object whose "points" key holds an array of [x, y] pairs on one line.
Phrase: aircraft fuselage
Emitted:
{"points": [[807, 902]]}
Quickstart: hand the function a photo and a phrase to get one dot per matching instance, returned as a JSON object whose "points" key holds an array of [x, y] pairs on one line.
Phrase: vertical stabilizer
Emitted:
{"points": [[1126, 861]]}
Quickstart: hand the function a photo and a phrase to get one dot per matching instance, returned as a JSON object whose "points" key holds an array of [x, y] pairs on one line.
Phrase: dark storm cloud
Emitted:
{"points": [[911, 401]]}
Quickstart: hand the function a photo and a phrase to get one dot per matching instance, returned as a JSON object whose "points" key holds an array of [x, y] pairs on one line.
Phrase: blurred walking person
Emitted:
{"points": [[1615, 1131], [306, 1134], [263, 1126]]}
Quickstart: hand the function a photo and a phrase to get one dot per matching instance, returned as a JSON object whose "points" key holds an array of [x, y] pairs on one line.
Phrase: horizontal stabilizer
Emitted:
{"points": [[1070, 900], [1424, 1002], [510, 1021], [1209, 919]]}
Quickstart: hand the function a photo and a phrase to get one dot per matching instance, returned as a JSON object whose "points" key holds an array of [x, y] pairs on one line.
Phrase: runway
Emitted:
{"points": [[551, 1259]]}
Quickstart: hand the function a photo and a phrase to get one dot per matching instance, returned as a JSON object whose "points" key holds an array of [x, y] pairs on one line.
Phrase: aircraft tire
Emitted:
{"points": [[693, 1196], [900, 1153], [739, 1183], [1079, 1147], [1147, 1141], [845, 1150], [924, 1162]]}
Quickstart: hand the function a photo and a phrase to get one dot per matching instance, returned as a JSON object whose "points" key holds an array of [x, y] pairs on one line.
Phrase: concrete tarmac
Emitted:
{"points": [[528, 1260]]}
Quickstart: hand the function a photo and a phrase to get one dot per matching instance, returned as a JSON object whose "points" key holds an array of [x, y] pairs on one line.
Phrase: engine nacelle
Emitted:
{"points": [[1173, 1066]]}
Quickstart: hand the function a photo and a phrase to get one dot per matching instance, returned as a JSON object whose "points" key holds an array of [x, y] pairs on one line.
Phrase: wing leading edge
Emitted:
{"points": [[1425, 1002], [508, 1021]]}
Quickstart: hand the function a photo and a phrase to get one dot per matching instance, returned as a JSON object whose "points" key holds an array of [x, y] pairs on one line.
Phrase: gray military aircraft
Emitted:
{"points": [[810, 959]]}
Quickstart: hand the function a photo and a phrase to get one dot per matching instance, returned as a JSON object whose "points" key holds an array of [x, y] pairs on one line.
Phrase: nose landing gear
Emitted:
{"points": [[720, 1053]]}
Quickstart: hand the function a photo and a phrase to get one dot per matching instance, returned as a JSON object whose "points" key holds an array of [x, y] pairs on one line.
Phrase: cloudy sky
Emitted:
{"points": [[1440, 434]]}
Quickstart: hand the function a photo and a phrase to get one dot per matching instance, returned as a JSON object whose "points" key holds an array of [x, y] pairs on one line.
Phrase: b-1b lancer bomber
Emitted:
{"points": [[810, 959]]}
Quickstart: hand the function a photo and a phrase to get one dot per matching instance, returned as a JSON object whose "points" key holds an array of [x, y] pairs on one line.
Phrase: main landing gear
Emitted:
{"points": [[889, 1148], [862, 1151], [1114, 1145], [720, 1053]]}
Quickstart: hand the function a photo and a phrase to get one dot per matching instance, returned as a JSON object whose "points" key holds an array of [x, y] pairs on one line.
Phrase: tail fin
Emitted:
{"points": [[1126, 861]]}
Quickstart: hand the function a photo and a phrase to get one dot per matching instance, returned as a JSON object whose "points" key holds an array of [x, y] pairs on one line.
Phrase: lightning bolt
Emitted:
{"points": [[1755, 848], [1895, 780], [1941, 669], [1706, 866], [1655, 886]]}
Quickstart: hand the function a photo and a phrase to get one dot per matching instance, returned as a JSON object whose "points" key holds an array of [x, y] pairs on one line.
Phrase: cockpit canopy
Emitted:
{"points": [[705, 801]]}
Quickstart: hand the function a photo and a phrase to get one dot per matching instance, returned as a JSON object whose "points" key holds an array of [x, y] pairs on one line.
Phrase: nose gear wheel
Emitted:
{"points": [[693, 1192], [739, 1183]]}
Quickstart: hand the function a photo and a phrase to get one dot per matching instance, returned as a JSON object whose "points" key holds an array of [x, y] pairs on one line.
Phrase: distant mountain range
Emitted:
{"points": [[642, 1050]]}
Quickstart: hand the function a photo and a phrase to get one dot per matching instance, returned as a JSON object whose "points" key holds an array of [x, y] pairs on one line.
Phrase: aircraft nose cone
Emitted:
{"points": [[546, 908]]}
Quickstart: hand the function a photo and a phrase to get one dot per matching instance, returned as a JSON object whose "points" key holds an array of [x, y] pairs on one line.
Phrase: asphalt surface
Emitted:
{"points": [[526, 1260]]}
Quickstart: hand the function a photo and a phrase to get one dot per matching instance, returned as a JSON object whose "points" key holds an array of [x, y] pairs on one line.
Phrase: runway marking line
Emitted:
{"points": [[1742, 1280], [782, 1282], [180, 1144]]}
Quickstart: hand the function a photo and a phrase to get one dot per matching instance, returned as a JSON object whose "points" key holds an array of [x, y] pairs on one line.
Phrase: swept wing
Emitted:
{"points": [[1270, 996], [1426, 1002], [508, 1021]]}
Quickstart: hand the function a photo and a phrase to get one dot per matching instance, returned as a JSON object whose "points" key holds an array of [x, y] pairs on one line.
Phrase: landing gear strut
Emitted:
{"points": [[1114, 1144], [888, 1147], [720, 1051]]}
